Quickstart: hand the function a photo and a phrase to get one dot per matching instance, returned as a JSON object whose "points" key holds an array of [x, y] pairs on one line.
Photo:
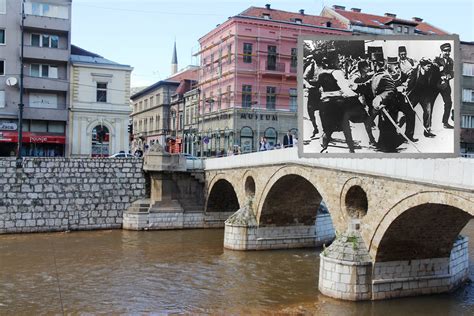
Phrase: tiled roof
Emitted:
{"points": [[285, 16], [378, 21]]}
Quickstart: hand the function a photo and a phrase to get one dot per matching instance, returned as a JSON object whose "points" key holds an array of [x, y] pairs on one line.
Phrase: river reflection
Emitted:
{"points": [[179, 272]]}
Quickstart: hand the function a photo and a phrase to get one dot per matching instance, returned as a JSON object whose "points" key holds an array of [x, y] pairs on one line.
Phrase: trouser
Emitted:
{"points": [[313, 105], [426, 103], [446, 95], [403, 106]]}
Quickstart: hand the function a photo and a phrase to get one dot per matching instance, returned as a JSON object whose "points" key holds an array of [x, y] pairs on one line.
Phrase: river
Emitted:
{"points": [[180, 271]]}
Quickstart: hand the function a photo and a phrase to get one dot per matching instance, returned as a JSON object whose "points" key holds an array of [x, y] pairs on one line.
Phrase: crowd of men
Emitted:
{"points": [[376, 91]]}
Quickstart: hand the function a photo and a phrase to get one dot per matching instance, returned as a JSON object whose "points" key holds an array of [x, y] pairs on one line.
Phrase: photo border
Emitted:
{"points": [[456, 51]]}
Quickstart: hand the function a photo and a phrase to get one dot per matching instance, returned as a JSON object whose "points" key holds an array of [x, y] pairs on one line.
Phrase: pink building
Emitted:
{"points": [[247, 78]]}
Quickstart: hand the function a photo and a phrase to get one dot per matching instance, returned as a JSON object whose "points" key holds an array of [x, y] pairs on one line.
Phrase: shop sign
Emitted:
{"points": [[8, 126], [261, 117], [38, 139]]}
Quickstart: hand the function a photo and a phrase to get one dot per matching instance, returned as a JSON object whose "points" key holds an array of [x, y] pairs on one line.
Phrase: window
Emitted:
{"points": [[467, 121], [152, 101], [219, 63], [2, 36], [399, 29], [2, 99], [294, 57], [228, 95], [229, 53], [271, 135], [145, 102], [468, 69], [271, 98], [46, 9], [467, 95], [271, 57], [56, 127], [101, 92], [266, 16], [246, 139], [45, 71], [293, 100], [39, 126], [248, 52], [43, 100], [212, 63], [298, 21], [406, 30], [44, 40], [3, 6], [2, 68], [246, 96], [219, 99]]}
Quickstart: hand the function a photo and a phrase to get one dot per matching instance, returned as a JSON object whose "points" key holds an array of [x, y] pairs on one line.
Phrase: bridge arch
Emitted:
{"points": [[289, 198], [222, 196], [424, 225]]}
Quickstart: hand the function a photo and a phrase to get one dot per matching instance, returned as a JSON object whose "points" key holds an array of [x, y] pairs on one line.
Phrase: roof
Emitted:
{"points": [[80, 55], [286, 16], [154, 87], [184, 86], [379, 21]]}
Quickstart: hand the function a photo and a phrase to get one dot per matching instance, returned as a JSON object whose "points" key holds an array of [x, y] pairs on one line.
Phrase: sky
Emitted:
{"points": [[141, 33]]}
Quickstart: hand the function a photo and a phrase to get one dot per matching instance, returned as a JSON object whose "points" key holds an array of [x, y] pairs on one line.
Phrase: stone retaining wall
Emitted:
{"points": [[173, 220], [242, 237], [56, 194]]}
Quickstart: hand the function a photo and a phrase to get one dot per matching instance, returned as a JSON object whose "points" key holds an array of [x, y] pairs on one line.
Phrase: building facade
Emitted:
{"points": [[467, 105], [99, 105], [247, 78], [151, 115], [47, 37]]}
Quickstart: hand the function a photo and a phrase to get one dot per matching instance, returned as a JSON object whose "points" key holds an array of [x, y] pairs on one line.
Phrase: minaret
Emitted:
{"points": [[174, 61]]}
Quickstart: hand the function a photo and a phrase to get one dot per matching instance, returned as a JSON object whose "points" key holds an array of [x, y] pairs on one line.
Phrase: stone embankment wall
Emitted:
{"points": [[56, 194]]}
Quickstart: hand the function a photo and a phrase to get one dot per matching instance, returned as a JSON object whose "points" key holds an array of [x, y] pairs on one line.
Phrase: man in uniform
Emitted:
{"points": [[406, 64], [384, 88], [446, 67]]}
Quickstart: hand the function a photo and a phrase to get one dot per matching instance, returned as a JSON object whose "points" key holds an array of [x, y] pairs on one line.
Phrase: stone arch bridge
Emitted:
{"points": [[397, 220]]}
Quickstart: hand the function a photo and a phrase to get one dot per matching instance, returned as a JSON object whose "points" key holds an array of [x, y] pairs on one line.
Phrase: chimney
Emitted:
{"points": [[338, 7], [302, 11], [267, 6], [356, 10], [416, 19], [390, 15]]}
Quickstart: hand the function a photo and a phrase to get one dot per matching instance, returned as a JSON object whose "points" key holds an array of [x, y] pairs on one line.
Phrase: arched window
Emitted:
{"points": [[271, 135], [246, 139], [100, 141]]}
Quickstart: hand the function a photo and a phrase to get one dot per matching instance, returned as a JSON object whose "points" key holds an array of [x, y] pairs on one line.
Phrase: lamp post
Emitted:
{"points": [[21, 105], [256, 113]]}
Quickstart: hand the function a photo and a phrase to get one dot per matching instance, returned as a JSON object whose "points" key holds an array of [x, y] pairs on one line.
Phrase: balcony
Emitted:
{"points": [[275, 67], [36, 22], [46, 53], [38, 83]]}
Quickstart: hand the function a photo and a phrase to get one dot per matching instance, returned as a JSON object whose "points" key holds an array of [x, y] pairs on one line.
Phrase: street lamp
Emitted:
{"points": [[21, 105]]}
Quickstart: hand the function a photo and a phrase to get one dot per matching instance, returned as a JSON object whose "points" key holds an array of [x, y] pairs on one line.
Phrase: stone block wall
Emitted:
{"points": [[56, 194], [242, 237], [423, 276]]}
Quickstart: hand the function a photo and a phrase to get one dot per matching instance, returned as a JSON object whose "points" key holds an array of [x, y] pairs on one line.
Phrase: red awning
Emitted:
{"points": [[35, 138]]}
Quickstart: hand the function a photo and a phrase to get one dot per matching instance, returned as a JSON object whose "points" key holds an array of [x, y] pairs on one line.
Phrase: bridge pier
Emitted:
{"points": [[348, 272], [243, 233]]}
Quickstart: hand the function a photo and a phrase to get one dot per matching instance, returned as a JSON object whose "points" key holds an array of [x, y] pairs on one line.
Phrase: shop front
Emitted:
{"points": [[34, 144]]}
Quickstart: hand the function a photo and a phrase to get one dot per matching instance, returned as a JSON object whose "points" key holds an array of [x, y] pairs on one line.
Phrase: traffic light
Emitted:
{"points": [[130, 128]]}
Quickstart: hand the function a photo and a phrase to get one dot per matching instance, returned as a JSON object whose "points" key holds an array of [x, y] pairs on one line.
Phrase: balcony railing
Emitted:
{"points": [[46, 53], [276, 67]]}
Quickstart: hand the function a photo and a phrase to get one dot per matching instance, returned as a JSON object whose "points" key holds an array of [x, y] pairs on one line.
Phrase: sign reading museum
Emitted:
{"points": [[388, 96]]}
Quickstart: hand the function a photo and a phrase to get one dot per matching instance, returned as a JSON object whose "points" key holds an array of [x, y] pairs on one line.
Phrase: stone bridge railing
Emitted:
{"points": [[452, 172]]}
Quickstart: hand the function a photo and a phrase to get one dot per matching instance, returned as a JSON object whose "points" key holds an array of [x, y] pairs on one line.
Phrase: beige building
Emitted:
{"points": [[150, 114], [99, 105]]}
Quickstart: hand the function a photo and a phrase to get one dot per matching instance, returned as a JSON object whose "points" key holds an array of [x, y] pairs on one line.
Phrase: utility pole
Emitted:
{"points": [[21, 105]]}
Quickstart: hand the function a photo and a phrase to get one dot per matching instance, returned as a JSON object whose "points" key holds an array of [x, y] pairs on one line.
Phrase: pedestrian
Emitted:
{"points": [[263, 144], [446, 67], [288, 140]]}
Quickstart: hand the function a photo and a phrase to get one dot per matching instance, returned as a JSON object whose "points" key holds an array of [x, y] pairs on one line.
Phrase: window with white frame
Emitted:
{"points": [[3, 6], [45, 71], [101, 92], [467, 95], [2, 68], [45, 40], [468, 69], [43, 100], [2, 36], [467, 121], [46, 9], [2, 99]]}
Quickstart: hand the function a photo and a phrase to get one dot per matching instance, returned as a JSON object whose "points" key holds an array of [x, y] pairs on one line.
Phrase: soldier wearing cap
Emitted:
{"points": [[446, 67], [384, 88], [406, 64]]}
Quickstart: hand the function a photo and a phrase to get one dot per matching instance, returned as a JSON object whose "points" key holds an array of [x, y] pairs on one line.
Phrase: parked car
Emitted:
{"points": [[122, 155]]}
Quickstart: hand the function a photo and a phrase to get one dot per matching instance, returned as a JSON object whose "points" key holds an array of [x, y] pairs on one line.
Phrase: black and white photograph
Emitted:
{"points": [[379, 96]]}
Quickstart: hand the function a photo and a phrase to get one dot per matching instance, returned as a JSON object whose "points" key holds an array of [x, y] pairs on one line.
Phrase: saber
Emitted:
{"points": [[417, 116], [399, 130]]}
